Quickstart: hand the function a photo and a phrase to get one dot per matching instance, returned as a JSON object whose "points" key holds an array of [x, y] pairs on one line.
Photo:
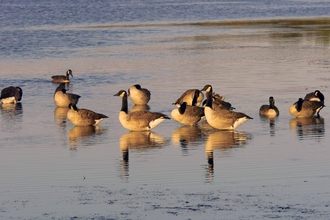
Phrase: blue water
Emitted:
{"points": [[247, 50], [42, 29]]}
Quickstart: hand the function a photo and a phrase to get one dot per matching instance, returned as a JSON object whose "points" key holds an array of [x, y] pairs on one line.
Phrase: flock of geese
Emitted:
{"points": [[190, 110]]}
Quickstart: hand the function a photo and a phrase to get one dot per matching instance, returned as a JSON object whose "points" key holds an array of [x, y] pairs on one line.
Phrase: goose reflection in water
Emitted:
{"points": [[185, 135], [136, 108], [138, 140], [223, 140], [312, 127], [11, 110], [60, 114], [82, 135], [11, 114], [271, 121]]}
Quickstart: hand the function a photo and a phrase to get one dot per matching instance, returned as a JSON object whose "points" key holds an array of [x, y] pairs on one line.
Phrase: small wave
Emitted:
{"points": [[278, 22]]}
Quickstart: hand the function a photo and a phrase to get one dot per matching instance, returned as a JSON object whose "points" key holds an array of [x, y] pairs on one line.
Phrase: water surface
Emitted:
{"points": [[265, 169]]}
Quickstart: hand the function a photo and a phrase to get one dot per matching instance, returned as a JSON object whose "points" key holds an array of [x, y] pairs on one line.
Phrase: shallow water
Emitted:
{"points": [[265, 169]]}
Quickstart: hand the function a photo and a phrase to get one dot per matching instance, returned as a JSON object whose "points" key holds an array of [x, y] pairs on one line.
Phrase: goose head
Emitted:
{"points": [[20, 91], [319, 94], [299, 104], [207, 88], [121, 93], [271, 102], [69, 72]]}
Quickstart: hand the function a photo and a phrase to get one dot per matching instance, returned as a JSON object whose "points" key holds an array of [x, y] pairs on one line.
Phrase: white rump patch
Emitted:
{"points": [[239, 121], [98, 121], [156, 122]]}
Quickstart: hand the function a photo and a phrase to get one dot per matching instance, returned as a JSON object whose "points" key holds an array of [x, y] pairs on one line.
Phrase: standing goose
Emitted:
{"points": [[222, 119], [304, 108], [139, 120], [269, 110], [63, 99], [188, 97], [11, 94], [315, 96], [139, 96], [61, 78], [84, 117], [188, 114]]}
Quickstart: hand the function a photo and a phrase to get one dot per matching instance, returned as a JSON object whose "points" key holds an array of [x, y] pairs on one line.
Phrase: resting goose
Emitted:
{"points": [[63, 99], [304, 108], [61, 78], [315, 96], [269, 110], [139, 120], [139, 96], [222, 119], [188, 97], [11, 94], [188, 114], [84, 117]]}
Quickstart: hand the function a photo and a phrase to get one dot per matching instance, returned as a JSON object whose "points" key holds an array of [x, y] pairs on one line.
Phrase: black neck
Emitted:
{"points": [[299, 105], [209, 99], [194, 101], [182, 108], [124, 106]]}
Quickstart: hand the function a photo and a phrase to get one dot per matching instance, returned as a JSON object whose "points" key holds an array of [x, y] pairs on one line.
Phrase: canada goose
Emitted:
{"points": [[222, 119], [63, 99], [139, 96], [187, 114], [219, 102], [61, 78], [315, 96], [304, 108], [84, 117], [140, 120], [269, 110], [11, 94], [188, 97]]}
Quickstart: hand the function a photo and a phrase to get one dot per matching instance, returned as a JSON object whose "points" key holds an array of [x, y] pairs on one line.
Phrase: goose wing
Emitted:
{"points": [[143, 118], [88, 114], [196, 110]]}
